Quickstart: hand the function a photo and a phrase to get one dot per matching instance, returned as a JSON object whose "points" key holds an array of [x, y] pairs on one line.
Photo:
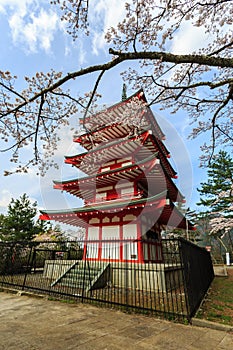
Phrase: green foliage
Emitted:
{"points": [[202, 225], [190, 215], [218, 306], [19, 224], [2, 225], [49, 233], [216, 191], [216, 196]]}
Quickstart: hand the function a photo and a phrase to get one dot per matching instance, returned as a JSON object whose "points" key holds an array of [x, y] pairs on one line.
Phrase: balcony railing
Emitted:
{"points": [[113, 197]]}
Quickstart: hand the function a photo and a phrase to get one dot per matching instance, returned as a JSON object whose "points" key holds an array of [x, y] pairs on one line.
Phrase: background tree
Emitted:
{"points": [[216, 195], [200, 81], [191, 235], [2, 225], [19, 223], [204, 239], [50, 233]]}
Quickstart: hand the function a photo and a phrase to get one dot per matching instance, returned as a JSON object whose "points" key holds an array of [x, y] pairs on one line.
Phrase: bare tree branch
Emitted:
{"points": [[173, 58], [127, 56]]}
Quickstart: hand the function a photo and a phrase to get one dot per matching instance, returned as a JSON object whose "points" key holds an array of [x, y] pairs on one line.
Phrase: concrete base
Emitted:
{"points": [[220, 271], [147, 277], [55, 268]]}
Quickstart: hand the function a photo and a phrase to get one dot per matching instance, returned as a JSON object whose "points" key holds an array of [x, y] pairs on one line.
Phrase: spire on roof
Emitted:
{"points": [[124, 95]]}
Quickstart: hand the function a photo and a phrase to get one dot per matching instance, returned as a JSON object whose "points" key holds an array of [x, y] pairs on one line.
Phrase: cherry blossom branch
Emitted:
{"points": [[63, 94], [54, 88], [127, 56], [18, 143], [12, 91], [223, 132], [92, 95], [183, 88], [223, 104], [222, 62], [37, 126], [216, 52]]}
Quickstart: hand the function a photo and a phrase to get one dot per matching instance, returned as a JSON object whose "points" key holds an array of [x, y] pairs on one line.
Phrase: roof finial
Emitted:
{"points": [[124, 95]]}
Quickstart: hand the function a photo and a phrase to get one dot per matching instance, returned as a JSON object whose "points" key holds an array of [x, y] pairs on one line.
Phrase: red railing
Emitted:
{"points": [[114, 197]]}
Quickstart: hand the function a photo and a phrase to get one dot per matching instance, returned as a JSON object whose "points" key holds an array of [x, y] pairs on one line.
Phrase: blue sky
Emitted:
{"points": [[35, 40]]}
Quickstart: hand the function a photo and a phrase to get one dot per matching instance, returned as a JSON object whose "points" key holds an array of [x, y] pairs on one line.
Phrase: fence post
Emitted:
{"points": [[28, 264], [126, 275], [84, 274], [184, 267]]}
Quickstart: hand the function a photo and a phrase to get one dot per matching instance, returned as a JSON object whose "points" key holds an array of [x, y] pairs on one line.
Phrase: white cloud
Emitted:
{"points": [[189, 39], [36, 31], [104, 15], [33, 25], [5, 198], [19, 6], [82, 54]]}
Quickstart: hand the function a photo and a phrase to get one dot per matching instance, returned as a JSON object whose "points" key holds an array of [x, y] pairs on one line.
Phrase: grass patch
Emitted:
{"points": [[218, 306]]}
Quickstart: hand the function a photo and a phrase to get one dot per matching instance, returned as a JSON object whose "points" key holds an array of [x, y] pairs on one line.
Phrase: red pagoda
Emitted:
{"points": [[128, 189]]}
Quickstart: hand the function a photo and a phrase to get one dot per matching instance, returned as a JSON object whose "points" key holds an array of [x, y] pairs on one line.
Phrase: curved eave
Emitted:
{"points": [[139, 94], [113, 143], [152, 144], [114, 111], [167, 213], [85, 187], [107, 133], [80, 216], [154, 124], [142, 148], [157, 179], [174, 194], [89, 162]]}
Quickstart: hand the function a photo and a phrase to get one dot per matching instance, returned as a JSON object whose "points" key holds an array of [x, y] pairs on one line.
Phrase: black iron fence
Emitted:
{"points": [[172, 285]]}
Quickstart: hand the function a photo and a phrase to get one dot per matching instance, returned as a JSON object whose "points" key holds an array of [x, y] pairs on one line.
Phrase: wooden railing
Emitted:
{"points": [[130, 195]]}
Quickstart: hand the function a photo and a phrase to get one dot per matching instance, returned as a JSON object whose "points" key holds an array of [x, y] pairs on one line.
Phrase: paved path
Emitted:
{"points": [[29, 323]]}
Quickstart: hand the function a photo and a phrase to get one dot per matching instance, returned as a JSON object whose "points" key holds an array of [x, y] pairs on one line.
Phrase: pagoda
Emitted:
{"points": [[128, 187]]}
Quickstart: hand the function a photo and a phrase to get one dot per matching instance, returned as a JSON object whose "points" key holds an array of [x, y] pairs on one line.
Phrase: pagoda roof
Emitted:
{"points": [[111, 132], [148, 170], [152, 144], [141, 146], [167, 213], [85, 187], [109, 116], [80, 216]]}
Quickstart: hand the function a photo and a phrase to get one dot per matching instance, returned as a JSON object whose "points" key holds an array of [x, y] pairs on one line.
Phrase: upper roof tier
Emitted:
{"points": [[119, 121], [139, 147]]}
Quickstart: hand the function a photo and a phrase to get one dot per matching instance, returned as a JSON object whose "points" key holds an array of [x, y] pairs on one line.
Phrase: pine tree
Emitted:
{"points": [[19, 223], [216, 193], [2, 225], [217, 197]]}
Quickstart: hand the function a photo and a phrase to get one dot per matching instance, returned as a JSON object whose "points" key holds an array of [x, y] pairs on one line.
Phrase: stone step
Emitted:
{"points": [[82, 277], [81, 274], [74, 284]]}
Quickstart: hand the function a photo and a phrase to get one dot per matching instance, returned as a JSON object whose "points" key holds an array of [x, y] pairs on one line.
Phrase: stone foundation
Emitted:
{"points": [[147, 277]]}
